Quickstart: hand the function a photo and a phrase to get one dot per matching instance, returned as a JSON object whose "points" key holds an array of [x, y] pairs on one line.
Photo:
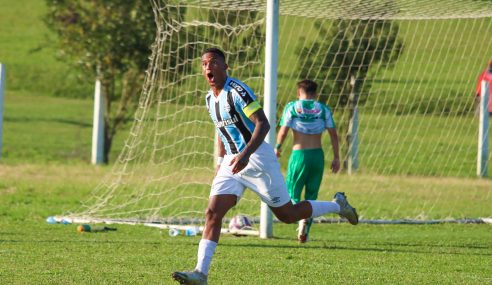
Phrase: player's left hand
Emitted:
{"points": [[239, 162], [335, 165]]}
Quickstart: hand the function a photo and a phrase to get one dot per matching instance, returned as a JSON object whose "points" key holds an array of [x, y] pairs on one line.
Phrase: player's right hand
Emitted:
{"points": [[335, 165]]}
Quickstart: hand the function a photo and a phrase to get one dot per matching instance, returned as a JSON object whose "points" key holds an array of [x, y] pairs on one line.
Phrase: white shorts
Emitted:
{"points": [[262, 175]]}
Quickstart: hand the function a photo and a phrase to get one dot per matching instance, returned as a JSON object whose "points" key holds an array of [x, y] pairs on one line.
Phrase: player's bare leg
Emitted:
{"points": [[290, 213], [218, 206]]}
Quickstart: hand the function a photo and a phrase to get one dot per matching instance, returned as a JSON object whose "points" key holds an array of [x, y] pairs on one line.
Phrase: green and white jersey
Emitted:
{"points": [[307, 117]]}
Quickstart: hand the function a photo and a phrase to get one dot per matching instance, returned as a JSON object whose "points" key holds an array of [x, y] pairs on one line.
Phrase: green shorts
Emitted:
{"points": [[305, 169]]}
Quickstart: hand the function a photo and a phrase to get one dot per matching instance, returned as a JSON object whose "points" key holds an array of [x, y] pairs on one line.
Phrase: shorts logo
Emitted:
{"points": [[275, 200]]}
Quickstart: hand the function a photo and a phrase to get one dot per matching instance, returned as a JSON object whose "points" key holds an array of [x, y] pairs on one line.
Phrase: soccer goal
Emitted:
{"points": [[401, 72]]}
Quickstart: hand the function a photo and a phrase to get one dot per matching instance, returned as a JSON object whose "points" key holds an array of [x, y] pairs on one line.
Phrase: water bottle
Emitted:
{"points": [[92, 229], [66, 221], [84, 228], [191, 231], [51, 220], [173, 232]]}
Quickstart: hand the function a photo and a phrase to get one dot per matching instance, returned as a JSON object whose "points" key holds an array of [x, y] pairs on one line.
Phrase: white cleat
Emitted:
{"points": [[346, 211], [190, 277]]}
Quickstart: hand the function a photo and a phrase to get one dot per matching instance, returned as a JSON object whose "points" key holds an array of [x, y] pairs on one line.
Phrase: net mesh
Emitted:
{"points": [[409, 68]]}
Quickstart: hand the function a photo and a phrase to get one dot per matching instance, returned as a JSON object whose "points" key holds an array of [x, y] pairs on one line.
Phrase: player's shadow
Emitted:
{"points": [[47, 120], [424, 248], [71, 241]]}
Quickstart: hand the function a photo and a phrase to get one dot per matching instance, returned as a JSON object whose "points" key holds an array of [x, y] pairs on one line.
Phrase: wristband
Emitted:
{"points": [[279, 145], [219, 160]]}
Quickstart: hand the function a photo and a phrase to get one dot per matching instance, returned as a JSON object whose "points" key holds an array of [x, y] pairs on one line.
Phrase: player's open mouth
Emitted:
{"points": [[210, 76]]}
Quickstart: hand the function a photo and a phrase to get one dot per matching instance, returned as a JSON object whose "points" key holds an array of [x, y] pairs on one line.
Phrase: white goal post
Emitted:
{"points": [[270, 105], [483, 131], [2, 89], [97, 154]]}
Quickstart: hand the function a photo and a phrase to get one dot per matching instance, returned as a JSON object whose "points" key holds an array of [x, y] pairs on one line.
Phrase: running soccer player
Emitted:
{"points": [[245, 161], [308, 119]]}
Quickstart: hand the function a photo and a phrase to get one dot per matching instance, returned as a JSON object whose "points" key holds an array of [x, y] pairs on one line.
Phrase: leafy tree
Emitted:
{"points": [[244, 38], [343, 60], [240, 34], [109, 40]]}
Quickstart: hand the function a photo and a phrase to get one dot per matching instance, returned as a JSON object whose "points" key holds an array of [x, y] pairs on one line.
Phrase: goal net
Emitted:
{"points": [[408, 70]]}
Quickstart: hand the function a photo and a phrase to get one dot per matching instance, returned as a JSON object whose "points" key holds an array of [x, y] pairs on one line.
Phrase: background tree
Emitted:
{"points": [[109, 40], [241, 35], [343, 60], [349, 51]]}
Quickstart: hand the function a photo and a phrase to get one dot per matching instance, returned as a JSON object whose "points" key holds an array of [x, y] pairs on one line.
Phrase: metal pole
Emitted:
{"points": [[271, 63], [2, 88], [97, 156], [483, 131]]}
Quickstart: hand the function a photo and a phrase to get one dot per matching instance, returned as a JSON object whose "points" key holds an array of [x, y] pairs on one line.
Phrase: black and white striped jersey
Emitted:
{"points": [[230, 113]]}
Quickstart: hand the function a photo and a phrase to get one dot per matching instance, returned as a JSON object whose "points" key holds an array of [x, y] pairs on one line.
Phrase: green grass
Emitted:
{"points": [[34, 252], [439, 254], [49, 129], [27, 49]]}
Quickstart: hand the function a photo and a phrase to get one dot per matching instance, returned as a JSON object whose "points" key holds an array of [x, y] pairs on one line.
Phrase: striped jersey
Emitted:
{"points": [[230, 113], [307, 116]]}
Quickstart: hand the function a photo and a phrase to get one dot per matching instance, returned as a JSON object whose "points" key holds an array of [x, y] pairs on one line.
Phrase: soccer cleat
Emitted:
{"points": [[302, 236], [346, 211], [190, 277]]}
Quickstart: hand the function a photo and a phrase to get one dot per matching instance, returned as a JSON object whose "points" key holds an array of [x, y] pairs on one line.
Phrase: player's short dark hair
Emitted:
{"points": [[215, 51], [308, 86]]}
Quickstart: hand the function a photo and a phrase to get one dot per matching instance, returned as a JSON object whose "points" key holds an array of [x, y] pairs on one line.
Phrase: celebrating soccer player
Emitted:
{"points": [[245, 161]]}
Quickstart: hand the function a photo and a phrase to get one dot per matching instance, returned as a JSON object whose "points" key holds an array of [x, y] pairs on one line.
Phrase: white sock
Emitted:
{"points": [[206, 249], [323, 207]]}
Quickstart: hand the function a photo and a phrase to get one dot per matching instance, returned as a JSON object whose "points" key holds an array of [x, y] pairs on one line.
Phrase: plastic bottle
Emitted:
{"points": [[191, 231], [66, 221], [88, 228], [173, 232], [51, 220], [84, 228]]}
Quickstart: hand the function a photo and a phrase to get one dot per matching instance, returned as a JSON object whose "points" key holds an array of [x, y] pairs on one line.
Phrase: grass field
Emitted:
{"points": [[28, 51], [34, 252], [41, 129], [45, 171]]}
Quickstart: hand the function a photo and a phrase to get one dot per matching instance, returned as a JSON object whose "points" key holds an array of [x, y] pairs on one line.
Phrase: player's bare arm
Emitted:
{"points": [[262, 127], [335, 164], [221, 152], [282, 134]]}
